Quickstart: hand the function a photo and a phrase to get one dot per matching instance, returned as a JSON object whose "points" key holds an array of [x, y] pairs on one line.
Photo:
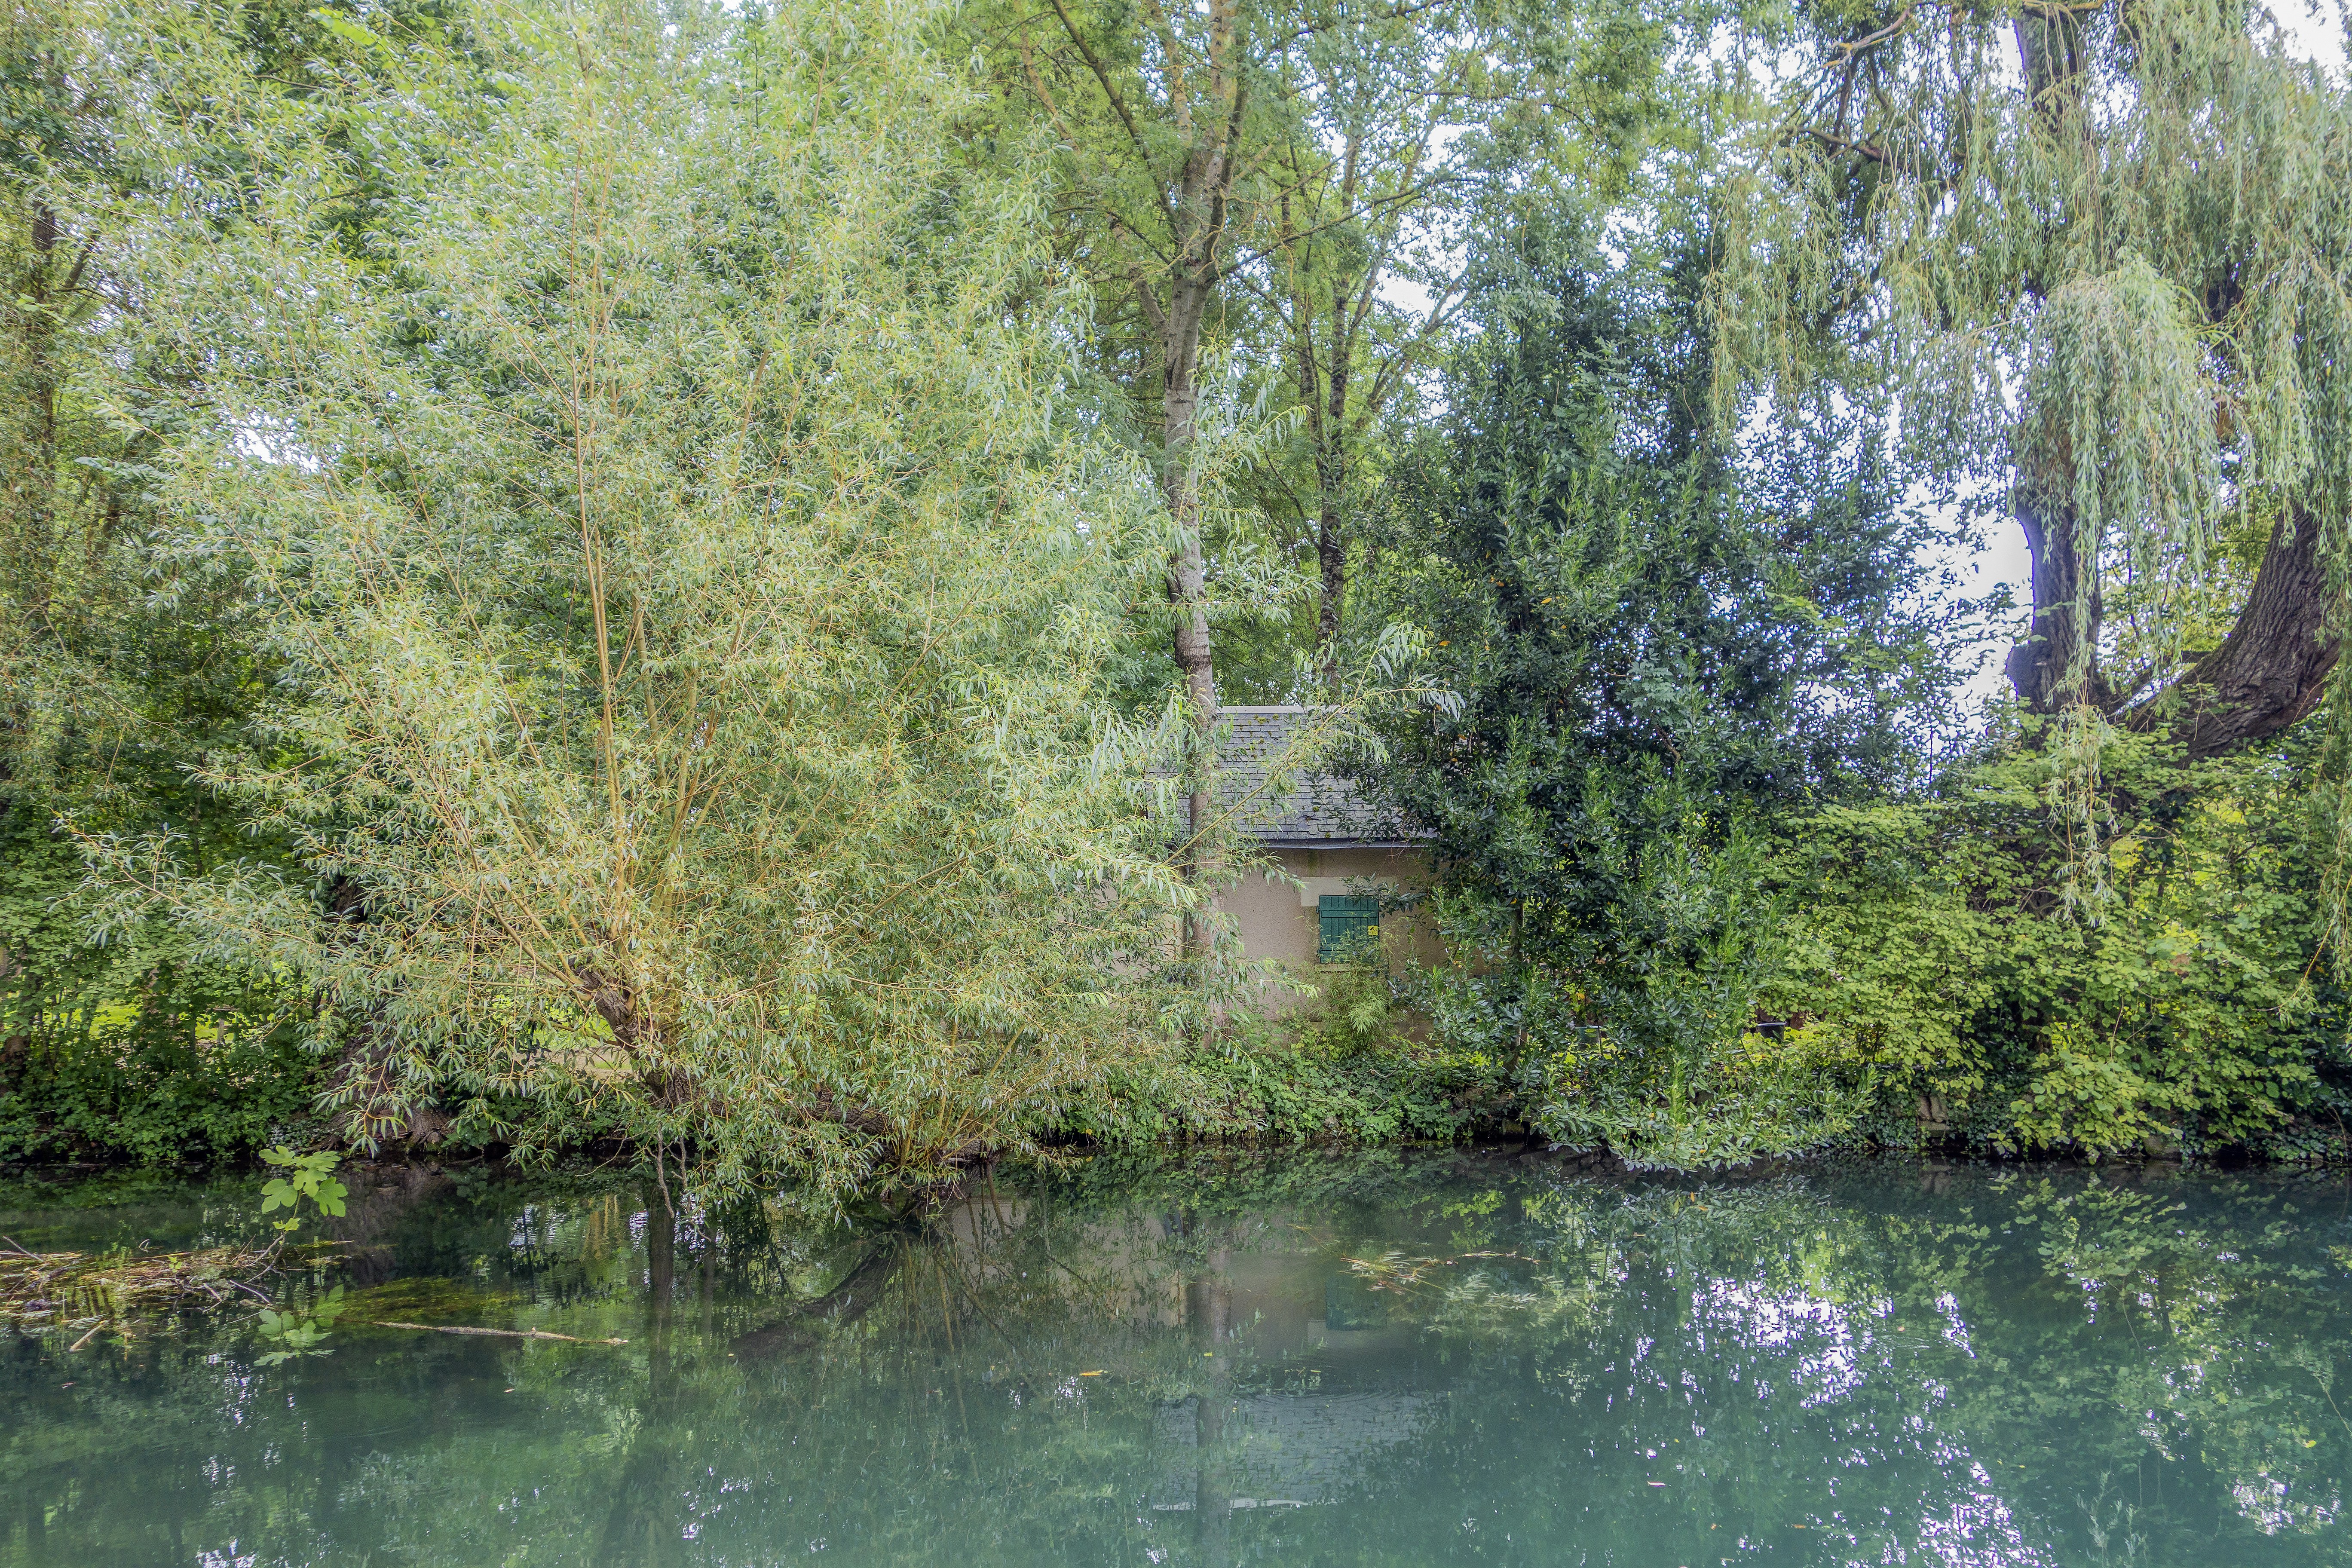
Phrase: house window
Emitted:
{"points": [[1340, 925]]}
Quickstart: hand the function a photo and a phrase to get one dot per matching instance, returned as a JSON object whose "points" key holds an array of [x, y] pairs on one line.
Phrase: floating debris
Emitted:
{"points": [[56, 1290], [1399, 1272]]}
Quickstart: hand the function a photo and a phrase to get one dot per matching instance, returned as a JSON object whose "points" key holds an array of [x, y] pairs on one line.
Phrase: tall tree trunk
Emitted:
{"points": [[1196, 99], [1188, 577], [1331, 555], [1331, 497], [1196, 268], [2057, 664]]}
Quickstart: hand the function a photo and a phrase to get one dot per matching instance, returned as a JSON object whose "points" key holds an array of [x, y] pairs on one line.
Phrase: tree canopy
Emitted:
{"points": [[670, 573]]}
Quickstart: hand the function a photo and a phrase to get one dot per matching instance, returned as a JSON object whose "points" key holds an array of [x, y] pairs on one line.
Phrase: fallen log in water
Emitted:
{"points": [[491, 1333]]}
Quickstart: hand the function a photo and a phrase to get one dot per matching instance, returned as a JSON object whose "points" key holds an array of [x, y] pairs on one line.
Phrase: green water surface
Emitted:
{"points": [[1387, 1358]]}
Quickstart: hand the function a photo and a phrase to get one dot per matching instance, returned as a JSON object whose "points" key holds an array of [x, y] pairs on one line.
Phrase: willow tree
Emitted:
{"points": [[2101, 252], [690, 608], [2100, 255]]}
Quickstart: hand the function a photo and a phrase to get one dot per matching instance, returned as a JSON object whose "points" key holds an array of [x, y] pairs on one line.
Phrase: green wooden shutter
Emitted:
{"points": [[1340, 921]]}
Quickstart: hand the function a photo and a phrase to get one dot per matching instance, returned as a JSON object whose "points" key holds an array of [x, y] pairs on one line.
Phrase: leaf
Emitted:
{"points": [[351, 32]]}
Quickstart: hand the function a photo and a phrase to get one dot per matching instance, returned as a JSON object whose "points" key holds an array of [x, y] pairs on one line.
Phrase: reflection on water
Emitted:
{"points": [[1362, 1358]]}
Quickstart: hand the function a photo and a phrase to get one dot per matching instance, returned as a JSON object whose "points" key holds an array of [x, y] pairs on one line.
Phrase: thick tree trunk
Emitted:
{"points": [[2057, 665], [2273, 668], [1199, 108], [2270, 671]]}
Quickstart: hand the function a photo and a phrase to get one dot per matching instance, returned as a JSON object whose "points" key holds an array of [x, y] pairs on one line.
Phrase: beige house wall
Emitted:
{"points": [[1277, 920]]}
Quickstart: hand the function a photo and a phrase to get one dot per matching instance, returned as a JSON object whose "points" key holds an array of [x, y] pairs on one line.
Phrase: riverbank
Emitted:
{"points": [[1265, 1092]]}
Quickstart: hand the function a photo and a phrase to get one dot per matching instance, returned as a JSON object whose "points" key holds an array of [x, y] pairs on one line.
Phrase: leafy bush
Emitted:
{"points": [[2000, 968], [694, 604], [164, 1085], [133, 1048], [1346, 1070]]}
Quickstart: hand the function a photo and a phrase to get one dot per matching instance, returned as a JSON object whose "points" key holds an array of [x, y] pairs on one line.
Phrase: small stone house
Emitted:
{"points": [[1316, 830]]}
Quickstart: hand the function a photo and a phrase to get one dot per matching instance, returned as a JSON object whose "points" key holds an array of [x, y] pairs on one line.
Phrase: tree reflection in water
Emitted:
{"points": [[1370, 1359]]}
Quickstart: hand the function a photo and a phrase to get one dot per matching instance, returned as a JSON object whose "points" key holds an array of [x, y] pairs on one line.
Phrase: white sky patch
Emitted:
{"points": [[2313, 32], [271, 439], [1443, 245], [1991, 553]]}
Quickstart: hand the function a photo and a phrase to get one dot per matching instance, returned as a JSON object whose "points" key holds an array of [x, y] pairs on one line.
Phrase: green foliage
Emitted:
{"points": [[652, 627], [155, 1092], [135, 1048], [1260, 1087], [307, 1176], [1933, 949], [1358, 1008], [1673, 965], [117, 673], [298, 1330], [690, 599], [1659, 647]]}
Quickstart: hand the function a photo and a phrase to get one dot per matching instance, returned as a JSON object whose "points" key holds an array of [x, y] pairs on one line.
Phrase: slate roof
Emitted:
{"points": [[1302, 808]]}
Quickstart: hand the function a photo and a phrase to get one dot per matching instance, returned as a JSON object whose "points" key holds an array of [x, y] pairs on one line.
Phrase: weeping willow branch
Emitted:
{"points": [[2102, 255]]}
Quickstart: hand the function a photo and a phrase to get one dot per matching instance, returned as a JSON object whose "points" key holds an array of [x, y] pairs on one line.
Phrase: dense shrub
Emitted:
{"points": [[128, 1048], [155, 1093], [1994, 964]]}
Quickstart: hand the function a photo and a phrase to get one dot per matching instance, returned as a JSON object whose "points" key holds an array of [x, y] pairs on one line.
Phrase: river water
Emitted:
{"points": [[1382, 1358]]}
